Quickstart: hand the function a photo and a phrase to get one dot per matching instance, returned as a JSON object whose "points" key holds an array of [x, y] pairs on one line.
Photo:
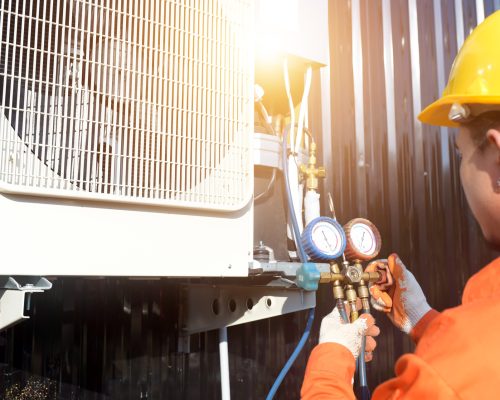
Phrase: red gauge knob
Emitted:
{"points": [[363, 240]]}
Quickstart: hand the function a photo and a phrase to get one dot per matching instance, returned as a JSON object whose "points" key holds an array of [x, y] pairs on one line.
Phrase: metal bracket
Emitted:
{"points": [[15, 297], [283, 268], [207, 307]]}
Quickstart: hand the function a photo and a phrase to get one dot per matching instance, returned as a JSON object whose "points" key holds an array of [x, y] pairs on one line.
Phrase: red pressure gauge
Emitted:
{"points": [[363, 240]]}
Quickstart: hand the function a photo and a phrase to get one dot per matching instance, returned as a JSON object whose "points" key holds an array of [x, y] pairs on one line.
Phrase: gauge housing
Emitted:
{"points": [[324, 239], [363, 240]]}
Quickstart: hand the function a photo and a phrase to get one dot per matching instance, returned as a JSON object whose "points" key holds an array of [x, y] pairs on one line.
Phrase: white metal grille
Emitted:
{"points": [[135, 101]]}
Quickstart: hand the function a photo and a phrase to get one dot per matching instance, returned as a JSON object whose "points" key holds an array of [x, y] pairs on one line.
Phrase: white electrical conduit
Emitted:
{"points": [[303, 107], [291, 134], [306, 124], [224, 364]]}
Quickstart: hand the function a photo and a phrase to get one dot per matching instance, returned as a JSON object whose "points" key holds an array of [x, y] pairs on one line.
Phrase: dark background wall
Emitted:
{"points": [[398, 173]]}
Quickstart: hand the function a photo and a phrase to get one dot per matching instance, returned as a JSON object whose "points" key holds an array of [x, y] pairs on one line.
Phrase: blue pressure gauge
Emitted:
{"points": [[323, 239]]}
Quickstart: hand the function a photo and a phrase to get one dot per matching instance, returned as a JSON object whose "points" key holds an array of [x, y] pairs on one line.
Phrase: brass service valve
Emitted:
{"points": [[311, 172]]}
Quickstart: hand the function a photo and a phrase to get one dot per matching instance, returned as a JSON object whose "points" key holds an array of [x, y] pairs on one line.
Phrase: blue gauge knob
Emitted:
{"points": [[323, 239]]}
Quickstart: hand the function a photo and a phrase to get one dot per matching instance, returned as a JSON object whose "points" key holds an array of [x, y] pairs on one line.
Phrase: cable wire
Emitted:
{"points": [[268, 188], [270, 130]]}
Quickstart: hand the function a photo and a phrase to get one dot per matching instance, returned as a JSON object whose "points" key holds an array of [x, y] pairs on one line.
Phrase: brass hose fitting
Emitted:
{"points": [[364, 295], [351, 299], [371, 276], [337, 278], [363, 292]]}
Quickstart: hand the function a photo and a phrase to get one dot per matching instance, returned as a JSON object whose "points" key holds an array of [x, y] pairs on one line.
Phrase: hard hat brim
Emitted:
{"points": [[437, 113]]}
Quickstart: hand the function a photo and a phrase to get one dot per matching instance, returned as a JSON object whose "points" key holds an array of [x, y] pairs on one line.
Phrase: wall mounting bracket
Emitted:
{"points": [[15, 297], [209, 307]]}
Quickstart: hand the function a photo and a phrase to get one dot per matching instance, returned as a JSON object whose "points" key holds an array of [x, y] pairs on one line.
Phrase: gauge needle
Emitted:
{"points": [[362, 238], [326, 239]]}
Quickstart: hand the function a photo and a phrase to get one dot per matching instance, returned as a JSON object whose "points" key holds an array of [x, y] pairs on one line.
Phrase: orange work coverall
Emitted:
{"points": [[457, 354]]}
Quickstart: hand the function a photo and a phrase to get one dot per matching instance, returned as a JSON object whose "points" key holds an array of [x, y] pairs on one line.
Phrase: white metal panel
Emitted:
{"points": [[131, 101], [45, 237], [129, 125]]}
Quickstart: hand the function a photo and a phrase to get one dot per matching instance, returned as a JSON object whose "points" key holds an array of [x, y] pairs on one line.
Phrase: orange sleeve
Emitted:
{"points": [[419, 329], [415, 379], [329, 373]]}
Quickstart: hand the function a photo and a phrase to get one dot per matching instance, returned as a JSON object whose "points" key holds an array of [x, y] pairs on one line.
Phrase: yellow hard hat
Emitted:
{"points": [[474, 82]]}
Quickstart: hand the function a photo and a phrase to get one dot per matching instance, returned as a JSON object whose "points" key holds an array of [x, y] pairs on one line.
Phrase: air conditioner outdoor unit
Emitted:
{"points": [[125, 137]]}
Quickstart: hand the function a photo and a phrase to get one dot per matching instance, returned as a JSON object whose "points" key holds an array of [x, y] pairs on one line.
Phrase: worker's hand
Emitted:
{"points": [[334, 330], [399, 295]]}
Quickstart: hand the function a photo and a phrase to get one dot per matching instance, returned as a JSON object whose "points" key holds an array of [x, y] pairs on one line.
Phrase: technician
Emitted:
{"points": [[458, 352]]}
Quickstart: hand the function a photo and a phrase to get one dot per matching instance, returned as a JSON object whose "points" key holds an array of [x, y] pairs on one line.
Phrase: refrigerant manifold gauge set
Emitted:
{"points": [[324, 239]]}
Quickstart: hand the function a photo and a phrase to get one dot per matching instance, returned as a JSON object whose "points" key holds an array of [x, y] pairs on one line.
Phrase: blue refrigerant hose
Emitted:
{"points": [[363, 389], [303, 258], [291, 209], [293, 357]]}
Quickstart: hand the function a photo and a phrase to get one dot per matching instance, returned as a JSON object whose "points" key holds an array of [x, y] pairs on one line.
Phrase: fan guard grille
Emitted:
{"points": [[135, 101]]}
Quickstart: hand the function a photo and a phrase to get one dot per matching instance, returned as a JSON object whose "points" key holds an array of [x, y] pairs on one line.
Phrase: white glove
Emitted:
{"points": [[400, 296], [334, 330]]}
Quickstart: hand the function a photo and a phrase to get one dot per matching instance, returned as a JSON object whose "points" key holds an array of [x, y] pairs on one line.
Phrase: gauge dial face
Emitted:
{"points": [[327, 238], [363, 238]]}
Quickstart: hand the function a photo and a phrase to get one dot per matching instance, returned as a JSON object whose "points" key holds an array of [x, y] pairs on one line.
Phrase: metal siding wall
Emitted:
{"points": [[412, 182]]}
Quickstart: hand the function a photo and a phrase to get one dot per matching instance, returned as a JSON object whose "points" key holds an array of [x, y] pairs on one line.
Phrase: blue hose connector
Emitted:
{"points": [[308, 276]]}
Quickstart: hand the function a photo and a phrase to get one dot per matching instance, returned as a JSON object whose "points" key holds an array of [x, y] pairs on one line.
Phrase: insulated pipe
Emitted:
{"points": [[311, 206], [300, 206], [224, 364]]}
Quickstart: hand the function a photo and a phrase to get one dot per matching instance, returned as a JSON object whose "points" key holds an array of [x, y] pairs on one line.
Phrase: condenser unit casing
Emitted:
{"points": [[125, 138]]}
